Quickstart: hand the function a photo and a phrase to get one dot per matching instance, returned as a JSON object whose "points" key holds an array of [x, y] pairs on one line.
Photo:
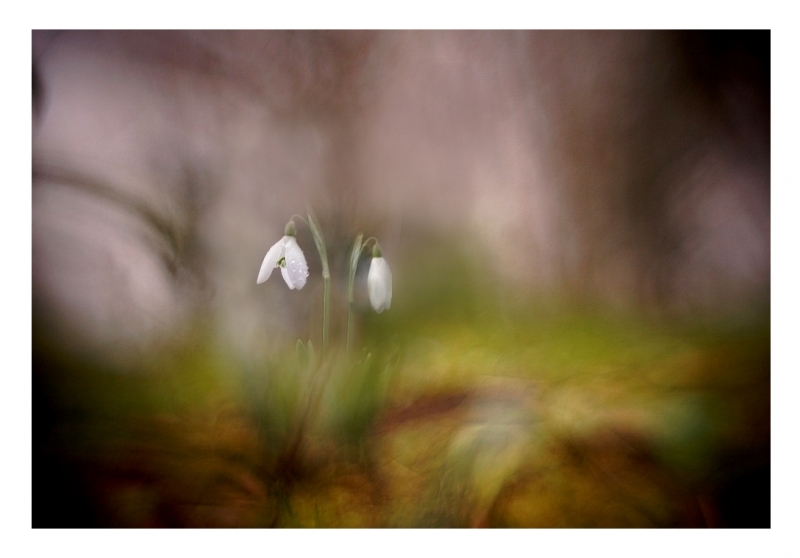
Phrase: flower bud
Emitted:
{"points": [[379, 282]]}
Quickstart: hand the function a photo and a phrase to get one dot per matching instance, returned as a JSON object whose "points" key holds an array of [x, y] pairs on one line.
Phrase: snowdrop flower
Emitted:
{"points": [[379, 281], [288, 256]]}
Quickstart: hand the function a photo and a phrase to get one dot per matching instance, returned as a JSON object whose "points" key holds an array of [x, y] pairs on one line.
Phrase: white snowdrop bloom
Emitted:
{"points": [[379, 282], [287, 255]]}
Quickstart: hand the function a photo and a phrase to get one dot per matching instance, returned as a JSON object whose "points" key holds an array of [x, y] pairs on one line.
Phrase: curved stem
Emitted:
{"points": [[319, 241], [355, 254], [326, 288]]}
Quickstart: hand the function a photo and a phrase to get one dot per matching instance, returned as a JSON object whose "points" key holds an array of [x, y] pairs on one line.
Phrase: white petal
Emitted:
{"points": [[285, 273], [379, 285], [296, 271], [271, 260]]}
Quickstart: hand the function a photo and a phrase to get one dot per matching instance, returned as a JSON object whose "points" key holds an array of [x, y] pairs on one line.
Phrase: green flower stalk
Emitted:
{"points": [[319, 240], [355, 254]]}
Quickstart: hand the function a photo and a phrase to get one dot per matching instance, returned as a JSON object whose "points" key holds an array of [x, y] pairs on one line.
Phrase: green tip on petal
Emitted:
{"points": [[376, 251], [290, 229]]}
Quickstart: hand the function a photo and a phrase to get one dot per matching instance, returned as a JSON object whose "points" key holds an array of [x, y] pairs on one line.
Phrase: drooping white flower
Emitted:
{"points": [[379, 282], [287, 255]]}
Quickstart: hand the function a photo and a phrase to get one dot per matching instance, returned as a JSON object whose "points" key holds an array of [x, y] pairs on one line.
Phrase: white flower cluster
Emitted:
{"points": [[288, 256]]}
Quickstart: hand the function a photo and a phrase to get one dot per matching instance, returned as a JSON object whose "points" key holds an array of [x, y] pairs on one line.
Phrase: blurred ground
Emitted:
{"points": [[507, 418]]}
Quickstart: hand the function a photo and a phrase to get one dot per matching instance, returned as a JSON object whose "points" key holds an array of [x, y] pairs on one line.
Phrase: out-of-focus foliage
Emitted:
{"points": [[465, 411]]}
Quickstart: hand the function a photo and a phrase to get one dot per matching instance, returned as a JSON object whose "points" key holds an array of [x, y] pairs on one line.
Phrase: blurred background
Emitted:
{"points": [[578, 227]]}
